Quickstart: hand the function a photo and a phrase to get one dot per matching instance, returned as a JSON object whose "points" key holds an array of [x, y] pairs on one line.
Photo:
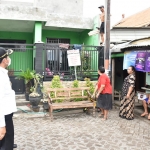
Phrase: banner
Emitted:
{"points": [[139, 59], [129, 59]]}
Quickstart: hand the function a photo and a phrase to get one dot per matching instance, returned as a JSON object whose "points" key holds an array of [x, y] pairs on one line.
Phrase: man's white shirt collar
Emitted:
{"points": [[4, 70]]}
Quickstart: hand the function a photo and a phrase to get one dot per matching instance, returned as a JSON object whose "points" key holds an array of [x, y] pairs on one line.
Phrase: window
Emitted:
{"points": [[53, 40]]}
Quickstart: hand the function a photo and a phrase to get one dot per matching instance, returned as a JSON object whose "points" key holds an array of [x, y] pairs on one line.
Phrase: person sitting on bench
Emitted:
{"points": [[146, 102]]}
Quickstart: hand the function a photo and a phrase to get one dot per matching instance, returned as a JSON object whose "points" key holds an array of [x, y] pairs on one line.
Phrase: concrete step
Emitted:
{"points": [[26, 112], [28, 109], [20, 96], [22, 102]]}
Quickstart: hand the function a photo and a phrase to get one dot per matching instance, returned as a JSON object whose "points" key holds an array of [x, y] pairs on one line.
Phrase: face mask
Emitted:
{"points": [[9, 62]]}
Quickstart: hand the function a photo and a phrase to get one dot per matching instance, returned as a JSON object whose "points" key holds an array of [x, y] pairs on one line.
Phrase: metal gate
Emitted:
{"points": [[56, 62]]}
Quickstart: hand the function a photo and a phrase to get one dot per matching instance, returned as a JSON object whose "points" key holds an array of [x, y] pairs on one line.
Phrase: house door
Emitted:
{"points": [[56, 58], [140, 80]]}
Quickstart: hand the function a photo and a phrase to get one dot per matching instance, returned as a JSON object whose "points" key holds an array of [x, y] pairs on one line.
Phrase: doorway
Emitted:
{"points": [[140, 80]]}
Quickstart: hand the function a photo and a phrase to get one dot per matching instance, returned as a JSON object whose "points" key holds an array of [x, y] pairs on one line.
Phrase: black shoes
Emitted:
{"points": [[15, 146]]}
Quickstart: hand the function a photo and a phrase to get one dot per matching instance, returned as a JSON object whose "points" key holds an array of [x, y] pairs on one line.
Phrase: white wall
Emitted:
{"points": [[90, 7], [56, 13], [128, 34]]}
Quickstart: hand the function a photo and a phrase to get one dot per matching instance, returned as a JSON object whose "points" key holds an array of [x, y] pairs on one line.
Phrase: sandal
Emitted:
{"points": [[104, 119], [101, 115], [144, 114], [149, 117]]}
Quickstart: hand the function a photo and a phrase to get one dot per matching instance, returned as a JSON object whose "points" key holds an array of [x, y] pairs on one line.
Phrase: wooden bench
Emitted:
{"points": [[67, 95]]}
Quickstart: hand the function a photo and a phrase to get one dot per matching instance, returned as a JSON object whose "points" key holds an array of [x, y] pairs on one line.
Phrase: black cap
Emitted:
{"points": [[101, 6], [4, 52]]}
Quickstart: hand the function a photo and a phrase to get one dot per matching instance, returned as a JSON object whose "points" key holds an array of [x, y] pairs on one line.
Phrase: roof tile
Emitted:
{"points": [[141, 19]]}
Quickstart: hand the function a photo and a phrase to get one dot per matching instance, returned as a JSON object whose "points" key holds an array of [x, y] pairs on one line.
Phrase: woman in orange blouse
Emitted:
{"points": [[104, 92]]}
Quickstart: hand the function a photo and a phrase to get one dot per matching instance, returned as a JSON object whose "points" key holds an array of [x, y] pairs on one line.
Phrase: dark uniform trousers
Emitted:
{"points": [[7, 142]]}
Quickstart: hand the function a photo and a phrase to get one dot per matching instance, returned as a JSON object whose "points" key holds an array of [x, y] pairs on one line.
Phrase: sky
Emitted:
{"points": [[118, 7]]}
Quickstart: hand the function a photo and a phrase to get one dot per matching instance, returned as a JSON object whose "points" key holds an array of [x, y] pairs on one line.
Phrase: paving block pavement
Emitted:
{"points": [[78, 131]]}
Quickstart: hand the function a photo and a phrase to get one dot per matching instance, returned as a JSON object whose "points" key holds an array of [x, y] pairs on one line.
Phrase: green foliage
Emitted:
{"points": [[86, 60], [37, 81], [56, 83], [75, 83], [59, 101], [89, 84], [78, 99], [27, 75]]}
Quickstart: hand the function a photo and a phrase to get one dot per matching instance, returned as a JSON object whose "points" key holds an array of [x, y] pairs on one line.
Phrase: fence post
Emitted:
{"points": [[39, 57]]}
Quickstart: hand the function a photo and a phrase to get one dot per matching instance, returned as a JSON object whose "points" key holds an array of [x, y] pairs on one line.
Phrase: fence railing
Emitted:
{"points": [[22, 57], [54, 60]]}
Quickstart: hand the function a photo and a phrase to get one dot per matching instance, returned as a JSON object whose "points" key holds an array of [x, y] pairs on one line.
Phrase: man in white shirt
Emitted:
{"points": [[7, 103]]}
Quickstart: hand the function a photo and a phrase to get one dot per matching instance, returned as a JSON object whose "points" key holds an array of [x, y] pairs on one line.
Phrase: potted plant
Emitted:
{"points": [[35, 96], [27, 76]]}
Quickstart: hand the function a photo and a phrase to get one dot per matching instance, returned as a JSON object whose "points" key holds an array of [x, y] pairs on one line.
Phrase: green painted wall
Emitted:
{"points": [[115, 55], [20, 60], [73, 36], [37, 36], [37, 32], [17, 36], [94, 39]]}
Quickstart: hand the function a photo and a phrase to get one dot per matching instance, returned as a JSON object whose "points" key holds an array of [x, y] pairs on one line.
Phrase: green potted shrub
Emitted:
{"points": [[27, 76], [76, 85], [56, 83], [35, 96]]}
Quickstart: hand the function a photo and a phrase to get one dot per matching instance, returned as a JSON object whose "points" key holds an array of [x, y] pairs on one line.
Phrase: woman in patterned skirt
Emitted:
{"points": [[128, 95]]}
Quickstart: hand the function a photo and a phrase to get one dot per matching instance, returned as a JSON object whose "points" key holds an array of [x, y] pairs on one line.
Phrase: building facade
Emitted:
{"points": [[25, 24]]}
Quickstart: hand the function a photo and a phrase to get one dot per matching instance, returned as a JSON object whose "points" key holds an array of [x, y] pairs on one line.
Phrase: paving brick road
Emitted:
{"points": [[81, 132]]}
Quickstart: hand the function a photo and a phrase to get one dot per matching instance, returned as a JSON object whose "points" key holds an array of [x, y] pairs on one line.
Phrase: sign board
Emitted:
{"points": [[74, 58], [141, 96]]}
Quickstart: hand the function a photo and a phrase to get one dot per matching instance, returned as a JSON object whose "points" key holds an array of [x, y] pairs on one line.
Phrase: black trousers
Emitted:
{"points": [[7, 142]]}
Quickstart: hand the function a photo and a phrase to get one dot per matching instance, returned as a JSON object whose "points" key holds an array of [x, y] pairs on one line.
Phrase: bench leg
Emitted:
{"points": [[51, 112], [94, 105]]}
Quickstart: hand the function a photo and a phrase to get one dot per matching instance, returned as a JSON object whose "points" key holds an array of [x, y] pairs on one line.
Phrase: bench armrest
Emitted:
{"points": [[49, 99], [90, 96]]}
